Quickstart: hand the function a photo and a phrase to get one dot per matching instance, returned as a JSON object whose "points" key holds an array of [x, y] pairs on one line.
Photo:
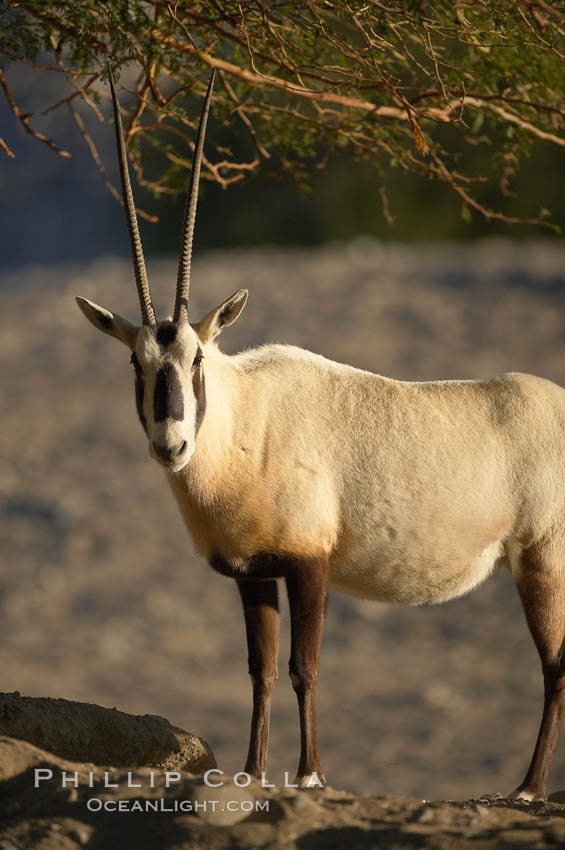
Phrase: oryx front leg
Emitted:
{"points": [[541, 583], [261, 609], [307, 586]]}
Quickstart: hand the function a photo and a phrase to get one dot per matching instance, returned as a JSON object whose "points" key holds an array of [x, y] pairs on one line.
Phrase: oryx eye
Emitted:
{"points": [[197, 362], [136, 364]]}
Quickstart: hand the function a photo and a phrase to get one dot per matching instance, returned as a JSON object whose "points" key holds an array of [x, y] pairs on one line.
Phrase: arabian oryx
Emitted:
{"points": [[289, 466]]}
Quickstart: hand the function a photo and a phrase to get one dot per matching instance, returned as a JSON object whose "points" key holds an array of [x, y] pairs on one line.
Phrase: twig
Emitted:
{"points": [[485, 211], [8, 151], [99, 164], [386, 209], [247, 123], [24, 119]]}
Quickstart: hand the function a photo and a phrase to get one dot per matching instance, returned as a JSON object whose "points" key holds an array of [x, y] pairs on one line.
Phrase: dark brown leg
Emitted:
{"points": [[542, 590], [307, 586], [261, 609]]}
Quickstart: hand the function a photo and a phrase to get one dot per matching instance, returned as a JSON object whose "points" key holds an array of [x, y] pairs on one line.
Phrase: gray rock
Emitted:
{"points": [[84, 732]]}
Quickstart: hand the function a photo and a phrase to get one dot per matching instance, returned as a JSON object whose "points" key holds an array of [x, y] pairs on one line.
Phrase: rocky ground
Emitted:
{"points": [[102, 599], [85, 732], [51, 803]]}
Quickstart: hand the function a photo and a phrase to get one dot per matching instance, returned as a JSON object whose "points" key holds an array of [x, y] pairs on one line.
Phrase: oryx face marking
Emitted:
{"points": [[169, 390], [139, 390], [166, 333], [168, 402], [199, 389]]}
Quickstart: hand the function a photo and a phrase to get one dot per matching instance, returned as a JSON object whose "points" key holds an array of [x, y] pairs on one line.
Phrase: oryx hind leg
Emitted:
{"points": [[539, 573]]}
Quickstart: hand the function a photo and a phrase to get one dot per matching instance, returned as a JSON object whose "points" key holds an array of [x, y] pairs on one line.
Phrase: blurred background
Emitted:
{"points": [[101, 596]]}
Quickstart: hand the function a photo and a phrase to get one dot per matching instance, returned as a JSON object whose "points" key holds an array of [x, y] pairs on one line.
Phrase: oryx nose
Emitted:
{"points": [[166, 453]]}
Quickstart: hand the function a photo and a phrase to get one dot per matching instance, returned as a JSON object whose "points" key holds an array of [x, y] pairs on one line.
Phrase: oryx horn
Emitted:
{"points": [[185, 258], [141, 280]]}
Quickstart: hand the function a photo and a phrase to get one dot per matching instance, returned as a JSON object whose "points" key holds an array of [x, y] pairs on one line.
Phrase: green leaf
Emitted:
{"points": [[466, 213]]}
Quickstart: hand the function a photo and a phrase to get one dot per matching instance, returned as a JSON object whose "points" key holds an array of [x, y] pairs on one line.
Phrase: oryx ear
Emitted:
{"points": [[226, 314], [110, 323]]}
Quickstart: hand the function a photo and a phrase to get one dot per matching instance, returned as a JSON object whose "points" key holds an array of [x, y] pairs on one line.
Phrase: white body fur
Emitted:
{"points": [[414, 490]]}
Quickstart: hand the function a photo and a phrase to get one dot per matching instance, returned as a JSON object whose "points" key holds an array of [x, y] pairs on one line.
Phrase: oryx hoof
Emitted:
{"points": [[311, 780], [526, 794]]}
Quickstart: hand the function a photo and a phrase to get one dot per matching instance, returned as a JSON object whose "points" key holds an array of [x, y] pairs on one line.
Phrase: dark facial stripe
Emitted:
{"points": [[166, 333], [139, 391], [199, 388], [168, 402]]}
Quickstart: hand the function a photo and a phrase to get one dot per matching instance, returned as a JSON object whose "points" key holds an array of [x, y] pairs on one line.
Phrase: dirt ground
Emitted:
{"points": [[102, 599], [47, 803]]}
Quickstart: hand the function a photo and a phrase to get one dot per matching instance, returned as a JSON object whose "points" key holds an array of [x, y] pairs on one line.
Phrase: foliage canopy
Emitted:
{"points": [[408, 85]]}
